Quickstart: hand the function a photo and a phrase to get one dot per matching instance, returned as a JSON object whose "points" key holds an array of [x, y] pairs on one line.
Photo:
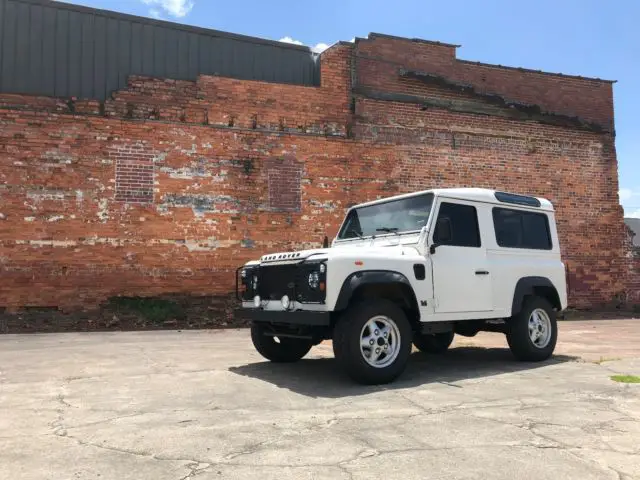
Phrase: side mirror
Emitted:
{"points": [[325, 243], [432, 248]]}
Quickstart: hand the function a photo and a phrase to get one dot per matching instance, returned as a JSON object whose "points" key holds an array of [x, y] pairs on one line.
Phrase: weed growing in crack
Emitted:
{"points": [[625, 378]]}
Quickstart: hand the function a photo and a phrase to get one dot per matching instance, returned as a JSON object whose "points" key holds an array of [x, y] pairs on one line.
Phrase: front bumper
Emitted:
{"points": [[299, 317]]}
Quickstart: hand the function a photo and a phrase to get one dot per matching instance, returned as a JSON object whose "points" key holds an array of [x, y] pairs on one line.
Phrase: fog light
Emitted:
{"points": [[285, 302], [256, 301]]}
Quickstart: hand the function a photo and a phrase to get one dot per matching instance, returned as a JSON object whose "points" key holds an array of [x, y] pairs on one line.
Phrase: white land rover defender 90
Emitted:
{"points": [[413, 269]]}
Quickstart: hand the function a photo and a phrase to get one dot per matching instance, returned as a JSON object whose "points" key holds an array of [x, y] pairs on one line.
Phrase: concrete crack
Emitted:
{"points": [[110, 448], [344, 469], [57, 425], [423, 409], [195, 468], [64, 402], [249, 451], [106, 420]]}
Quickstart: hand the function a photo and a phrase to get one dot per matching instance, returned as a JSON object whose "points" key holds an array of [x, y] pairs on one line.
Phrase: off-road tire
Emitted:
{"points": [[433, 343], [287, 350], [518, 337], [347, 337]]}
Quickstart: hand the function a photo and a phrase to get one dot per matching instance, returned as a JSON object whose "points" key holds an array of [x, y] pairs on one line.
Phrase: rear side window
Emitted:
{"points": [[457, 225], [518, 229]]}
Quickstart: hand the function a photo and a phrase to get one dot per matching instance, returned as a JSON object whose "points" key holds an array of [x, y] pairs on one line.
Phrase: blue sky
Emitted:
{"points": [[581, 37]]}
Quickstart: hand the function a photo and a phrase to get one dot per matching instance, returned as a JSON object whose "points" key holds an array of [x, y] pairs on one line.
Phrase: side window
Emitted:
{"points": [[457, 225], [519, 229]]}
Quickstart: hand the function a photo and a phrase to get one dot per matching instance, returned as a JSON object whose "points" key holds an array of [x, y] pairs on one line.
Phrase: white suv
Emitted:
{"points": [[413, 269]]}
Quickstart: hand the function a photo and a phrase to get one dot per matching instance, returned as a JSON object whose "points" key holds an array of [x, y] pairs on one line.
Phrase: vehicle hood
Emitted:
{"points": [[294, 256], [352, 251], [373, 251], [382, 247]]}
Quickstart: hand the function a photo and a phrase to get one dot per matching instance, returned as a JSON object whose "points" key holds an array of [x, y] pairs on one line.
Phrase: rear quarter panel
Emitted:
{"points": [[509, 265]]}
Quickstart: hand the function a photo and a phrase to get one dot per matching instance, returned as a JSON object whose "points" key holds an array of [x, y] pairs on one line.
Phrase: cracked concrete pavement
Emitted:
{"points": [[204, 405]]}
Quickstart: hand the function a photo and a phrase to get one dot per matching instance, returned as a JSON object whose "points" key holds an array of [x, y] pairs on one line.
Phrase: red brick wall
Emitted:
{"points": [[228, 102], [451, 149], [67, 241], [378, 60], [213, 149]]}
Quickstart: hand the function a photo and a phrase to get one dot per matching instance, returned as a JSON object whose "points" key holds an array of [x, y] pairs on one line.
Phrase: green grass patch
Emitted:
{"points": [[153, 309], [626, 378]]}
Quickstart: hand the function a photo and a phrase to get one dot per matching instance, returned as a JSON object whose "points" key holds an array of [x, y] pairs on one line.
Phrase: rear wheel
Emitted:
{"points": [[533, 332], [280, 350], [433, 343], [372, 342]]}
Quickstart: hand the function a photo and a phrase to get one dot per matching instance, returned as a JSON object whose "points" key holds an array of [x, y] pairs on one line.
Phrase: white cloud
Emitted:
{"points": [[291, 40], [635, 214], [175, 8], [317, 48], [320, 47]]}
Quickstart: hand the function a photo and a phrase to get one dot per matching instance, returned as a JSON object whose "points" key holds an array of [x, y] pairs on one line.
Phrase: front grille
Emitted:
{"points": [[275, 281]]}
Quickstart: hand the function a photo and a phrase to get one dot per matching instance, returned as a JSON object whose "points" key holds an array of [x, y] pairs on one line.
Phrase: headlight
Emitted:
{"points": [[286, 302], [314, 280]]}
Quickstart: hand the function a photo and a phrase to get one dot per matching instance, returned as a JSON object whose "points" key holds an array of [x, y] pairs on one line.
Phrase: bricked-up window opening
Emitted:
{"points": [[134, 174], [284, 176]]}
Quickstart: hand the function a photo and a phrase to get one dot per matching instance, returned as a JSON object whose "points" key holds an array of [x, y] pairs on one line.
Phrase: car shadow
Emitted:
{"points": [[322, 377]]}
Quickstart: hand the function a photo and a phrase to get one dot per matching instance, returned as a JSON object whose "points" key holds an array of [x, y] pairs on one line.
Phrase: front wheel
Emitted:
{"points": [[532, 333], [279, 350], [372, 342]]}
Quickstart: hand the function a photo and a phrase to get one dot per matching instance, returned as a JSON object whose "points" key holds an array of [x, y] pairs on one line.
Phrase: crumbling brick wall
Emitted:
{"points": [[170, 185]]}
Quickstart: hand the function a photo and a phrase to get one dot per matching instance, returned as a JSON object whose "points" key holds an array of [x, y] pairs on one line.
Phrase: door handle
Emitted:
{"points": [[482, 272]]}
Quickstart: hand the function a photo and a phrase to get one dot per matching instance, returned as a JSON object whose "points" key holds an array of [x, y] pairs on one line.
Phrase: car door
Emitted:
{"points": [[461, 280]]}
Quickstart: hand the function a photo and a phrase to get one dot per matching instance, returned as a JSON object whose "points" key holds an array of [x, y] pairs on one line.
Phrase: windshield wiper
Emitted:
{"points": [[388, 230]]}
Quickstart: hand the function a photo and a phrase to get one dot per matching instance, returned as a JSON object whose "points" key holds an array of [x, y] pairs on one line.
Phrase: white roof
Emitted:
{"points": [[483, 195]]}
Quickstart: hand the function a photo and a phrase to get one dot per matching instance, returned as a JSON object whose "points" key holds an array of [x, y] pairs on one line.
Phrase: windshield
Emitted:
{"points": [[395, 216]]}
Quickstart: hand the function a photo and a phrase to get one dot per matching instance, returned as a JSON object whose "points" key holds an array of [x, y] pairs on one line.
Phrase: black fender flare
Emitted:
{"points": [[371, 277], [526, 286]]}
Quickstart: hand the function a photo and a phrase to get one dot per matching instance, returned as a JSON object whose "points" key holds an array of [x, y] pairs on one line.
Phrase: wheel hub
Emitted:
{"points": [[380, 341], [539, 328]]}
